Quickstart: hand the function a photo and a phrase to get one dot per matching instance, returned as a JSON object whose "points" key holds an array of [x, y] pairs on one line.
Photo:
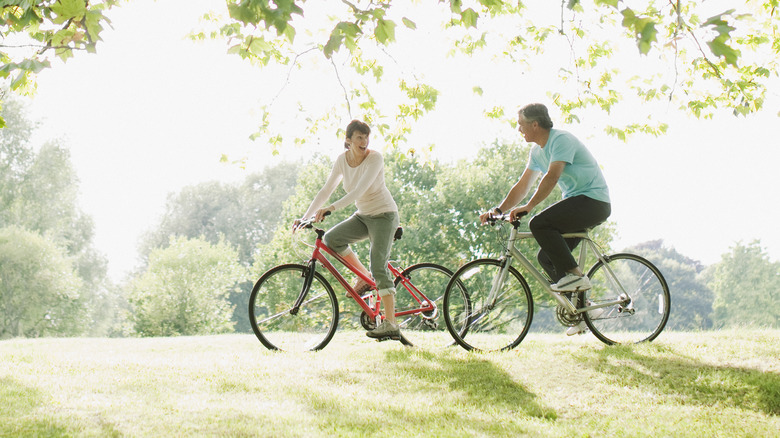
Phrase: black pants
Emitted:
{"points": [[570, 215]]}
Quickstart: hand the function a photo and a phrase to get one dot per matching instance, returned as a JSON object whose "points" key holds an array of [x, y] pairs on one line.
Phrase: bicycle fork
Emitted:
{"points": [[308, 275]]}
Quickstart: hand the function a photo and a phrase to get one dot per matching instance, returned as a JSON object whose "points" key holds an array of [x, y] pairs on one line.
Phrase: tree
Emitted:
{"points": [[34, 32], [691, 297], [39, 288], [695, 56], [744, 282], [39, 192], [688, 54], [184, 289], [244, 215]]}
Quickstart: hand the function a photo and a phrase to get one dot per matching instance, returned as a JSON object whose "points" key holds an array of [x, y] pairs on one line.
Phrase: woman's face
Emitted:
{"points": [[358, 144]]}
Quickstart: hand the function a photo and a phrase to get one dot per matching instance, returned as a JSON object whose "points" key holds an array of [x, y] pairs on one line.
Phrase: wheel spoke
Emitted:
{"points": [[644, 317], [315, 321], [482, 312]]}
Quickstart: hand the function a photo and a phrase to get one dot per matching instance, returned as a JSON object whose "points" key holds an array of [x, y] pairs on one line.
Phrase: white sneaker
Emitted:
{"points": [[572, 283], [582, 327], [577, 329]]}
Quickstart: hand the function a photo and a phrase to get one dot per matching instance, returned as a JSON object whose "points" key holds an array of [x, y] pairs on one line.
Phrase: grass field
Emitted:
{"points": [[711, 384]]}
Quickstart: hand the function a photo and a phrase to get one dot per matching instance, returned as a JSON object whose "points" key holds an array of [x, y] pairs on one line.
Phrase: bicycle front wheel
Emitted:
{"points": [[424, 329], [484, 311], [277, 325], [645, 310]]}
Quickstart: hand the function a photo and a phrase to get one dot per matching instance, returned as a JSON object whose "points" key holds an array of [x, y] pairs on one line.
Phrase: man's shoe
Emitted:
{"points": [[577, 329], [385, 330], [572, 283], [582, 327]]}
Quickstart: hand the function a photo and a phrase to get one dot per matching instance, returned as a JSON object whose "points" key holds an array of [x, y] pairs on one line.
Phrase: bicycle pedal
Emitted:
{"points": [[388, 338]]}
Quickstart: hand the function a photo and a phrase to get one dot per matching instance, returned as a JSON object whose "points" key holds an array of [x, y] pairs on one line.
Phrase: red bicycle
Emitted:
{"points": [[294, 308]]}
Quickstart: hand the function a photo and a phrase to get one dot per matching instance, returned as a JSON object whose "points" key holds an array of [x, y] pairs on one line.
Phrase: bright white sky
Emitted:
{"points": [[153, 112]]}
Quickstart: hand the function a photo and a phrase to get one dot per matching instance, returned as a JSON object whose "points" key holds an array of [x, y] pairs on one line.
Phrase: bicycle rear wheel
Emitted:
{"points": [[644, 317], [423, 329], [271, 302], [479, 321]]}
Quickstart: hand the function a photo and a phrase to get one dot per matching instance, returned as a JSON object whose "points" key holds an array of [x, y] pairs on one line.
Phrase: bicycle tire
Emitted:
{"points": [[476, 325], [641, 320], [423, 329], [272, 298]]}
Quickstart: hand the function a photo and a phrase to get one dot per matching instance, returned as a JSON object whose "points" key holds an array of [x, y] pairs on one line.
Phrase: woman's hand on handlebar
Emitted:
{"points": [[319, 216]]}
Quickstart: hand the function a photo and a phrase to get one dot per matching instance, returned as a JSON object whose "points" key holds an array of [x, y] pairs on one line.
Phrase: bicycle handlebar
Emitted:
{"points": [[491, 219], [309, 223]]}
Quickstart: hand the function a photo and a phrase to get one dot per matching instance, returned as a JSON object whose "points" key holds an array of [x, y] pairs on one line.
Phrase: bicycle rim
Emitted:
{"points": [[478, 321], [423, 329], [273, 296], [644, 317]]}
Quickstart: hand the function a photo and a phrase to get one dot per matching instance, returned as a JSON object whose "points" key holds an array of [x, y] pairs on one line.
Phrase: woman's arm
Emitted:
{"points": [[325, 192]]}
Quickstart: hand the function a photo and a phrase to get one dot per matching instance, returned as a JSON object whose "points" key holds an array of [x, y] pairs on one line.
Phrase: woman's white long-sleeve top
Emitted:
{"points": [[364, 184]]}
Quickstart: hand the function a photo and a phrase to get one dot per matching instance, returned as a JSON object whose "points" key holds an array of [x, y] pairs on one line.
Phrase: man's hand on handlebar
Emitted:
{"points": [[493, 213], [518, 212]]}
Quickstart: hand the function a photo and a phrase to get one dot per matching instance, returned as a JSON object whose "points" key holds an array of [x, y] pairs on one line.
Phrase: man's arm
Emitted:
{"points": [[516, 194], [546, 186], [519, 190]]}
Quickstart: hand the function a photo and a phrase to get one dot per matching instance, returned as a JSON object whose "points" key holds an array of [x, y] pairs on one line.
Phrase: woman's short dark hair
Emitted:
{"points": [[359, 126], [537, 112]]}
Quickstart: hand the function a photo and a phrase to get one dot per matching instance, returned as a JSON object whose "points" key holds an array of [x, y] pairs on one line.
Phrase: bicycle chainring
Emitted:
{"points": [[366, 321], [431, 324], [567, 318]]}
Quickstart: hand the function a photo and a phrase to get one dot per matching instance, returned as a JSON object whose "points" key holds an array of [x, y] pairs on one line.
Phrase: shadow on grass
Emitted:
{"points": [[17, 412], [439, 394], [673, 373], [18, 416], [473, 377]]}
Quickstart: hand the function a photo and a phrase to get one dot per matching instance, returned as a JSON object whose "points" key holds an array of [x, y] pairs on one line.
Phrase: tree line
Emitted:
{"points": [[214, 240]]}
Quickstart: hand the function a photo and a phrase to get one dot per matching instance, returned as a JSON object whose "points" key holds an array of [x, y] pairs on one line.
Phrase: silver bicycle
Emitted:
{"points": [[488, 304]]}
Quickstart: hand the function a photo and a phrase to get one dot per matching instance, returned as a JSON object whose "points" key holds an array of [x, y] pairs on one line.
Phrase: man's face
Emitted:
{"points": [[526, 128]]}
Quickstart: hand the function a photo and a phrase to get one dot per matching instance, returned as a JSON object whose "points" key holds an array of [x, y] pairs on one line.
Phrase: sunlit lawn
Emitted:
{"points": [[684, 384]]}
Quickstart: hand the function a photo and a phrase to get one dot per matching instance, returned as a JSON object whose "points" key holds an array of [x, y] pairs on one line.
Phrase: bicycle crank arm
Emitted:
{"points": [[607, 304]]}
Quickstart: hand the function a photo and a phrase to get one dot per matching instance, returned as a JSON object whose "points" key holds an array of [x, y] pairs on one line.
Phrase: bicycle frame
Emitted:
{"points": [[513, 252], [372, 308]]}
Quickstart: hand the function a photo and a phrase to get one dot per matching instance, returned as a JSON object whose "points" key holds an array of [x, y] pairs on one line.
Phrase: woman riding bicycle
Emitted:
{"points": [[562, 159], [362, 172]]}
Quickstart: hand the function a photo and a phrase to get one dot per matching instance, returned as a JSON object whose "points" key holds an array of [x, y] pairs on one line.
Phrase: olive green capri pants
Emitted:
{"points": [[379, 230]]}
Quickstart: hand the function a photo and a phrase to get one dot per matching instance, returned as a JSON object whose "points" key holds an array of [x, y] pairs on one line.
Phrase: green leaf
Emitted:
{"points": [[385, 31], [67, 9], [469, 17], [719, 48], [334, 43], [409, 23], [477, 90], [612, 3], [455, 6]]}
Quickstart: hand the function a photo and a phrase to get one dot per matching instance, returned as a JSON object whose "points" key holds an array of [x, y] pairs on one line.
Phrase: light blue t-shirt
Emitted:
{"points": [[581, 176]]}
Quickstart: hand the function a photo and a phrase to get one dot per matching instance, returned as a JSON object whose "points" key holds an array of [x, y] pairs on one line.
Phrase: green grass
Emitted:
{"points": [[714, 384]]}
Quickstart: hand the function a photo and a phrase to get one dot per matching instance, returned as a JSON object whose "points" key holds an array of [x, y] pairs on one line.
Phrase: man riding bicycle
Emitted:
{"points": [[563, 160]]}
